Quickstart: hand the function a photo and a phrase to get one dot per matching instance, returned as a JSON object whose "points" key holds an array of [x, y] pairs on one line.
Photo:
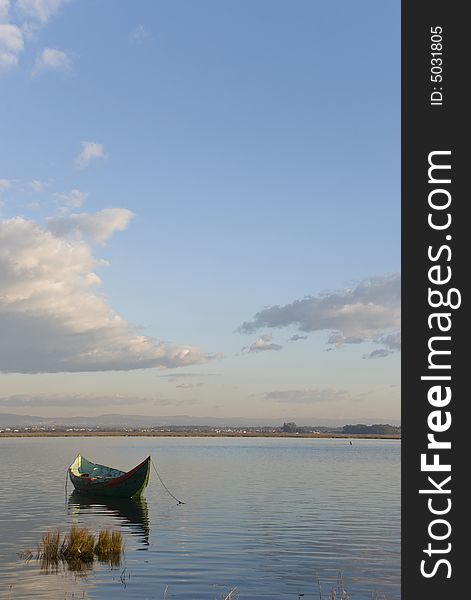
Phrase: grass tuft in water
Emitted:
{"points": [[109, 546], [78, 544], [50, 546], [79, 548]]}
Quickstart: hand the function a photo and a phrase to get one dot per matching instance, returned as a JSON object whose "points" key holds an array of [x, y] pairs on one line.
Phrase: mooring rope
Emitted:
{"points": [[163, 484]]}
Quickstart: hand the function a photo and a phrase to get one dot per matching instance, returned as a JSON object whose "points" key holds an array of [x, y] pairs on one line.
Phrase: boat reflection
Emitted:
{"points": [[130, 512]]}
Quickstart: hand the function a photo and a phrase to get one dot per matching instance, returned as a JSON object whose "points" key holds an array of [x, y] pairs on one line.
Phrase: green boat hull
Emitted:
{"points": [[91, 479]]}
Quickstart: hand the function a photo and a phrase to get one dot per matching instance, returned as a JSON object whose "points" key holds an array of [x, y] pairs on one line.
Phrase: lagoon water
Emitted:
{"points": [[271, 517]]}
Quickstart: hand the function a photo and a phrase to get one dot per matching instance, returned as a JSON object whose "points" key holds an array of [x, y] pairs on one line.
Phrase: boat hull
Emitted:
{"points": [[128, 485]]}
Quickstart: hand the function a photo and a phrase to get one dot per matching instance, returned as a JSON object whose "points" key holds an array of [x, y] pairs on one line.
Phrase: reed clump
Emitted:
{"points": [[109, 546], [342, 592], [50, 547], [78, 544], [79, 548]]}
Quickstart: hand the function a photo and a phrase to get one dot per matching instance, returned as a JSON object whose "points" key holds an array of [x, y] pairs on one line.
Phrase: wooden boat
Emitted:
{"points": [[93, 479]]}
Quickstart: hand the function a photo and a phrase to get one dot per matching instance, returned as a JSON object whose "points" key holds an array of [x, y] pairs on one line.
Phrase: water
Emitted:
{"points": [[268, 516]]}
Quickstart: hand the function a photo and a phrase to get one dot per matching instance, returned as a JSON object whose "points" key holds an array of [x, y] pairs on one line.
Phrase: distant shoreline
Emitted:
{"points": [[366, 436]]}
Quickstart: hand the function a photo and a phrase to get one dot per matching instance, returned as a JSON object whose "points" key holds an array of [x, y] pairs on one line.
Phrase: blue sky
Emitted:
{"points": [[256, 145]]}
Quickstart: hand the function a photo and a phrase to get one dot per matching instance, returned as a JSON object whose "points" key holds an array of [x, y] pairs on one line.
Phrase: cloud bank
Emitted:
{"points": [[66, 400], [52, 317], [38, 401], [369, 312], [309, 396]]}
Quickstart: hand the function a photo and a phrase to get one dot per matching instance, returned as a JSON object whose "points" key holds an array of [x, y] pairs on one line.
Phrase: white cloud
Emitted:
{"points": [[30, 16], [53, 319], [369, 312], [90, 151], [72, 199], [96, 228], [11, 45], [39, 10], [11, 38], [37, 186], [263, 343], [5, 184], [51, 59], [138, 34], [8, 60], [4, 10], [22, 187]]}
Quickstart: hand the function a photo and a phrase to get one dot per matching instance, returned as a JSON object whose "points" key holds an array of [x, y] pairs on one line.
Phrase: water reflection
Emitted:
{"points": [[80, 568], [130, 512]]}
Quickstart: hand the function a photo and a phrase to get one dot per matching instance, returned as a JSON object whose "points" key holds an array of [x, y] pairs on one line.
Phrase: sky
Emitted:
{"points": [[200, 208]]}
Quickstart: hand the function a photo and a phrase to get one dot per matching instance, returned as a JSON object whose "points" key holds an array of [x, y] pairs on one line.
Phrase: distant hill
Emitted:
{"points": [[9, 420]]}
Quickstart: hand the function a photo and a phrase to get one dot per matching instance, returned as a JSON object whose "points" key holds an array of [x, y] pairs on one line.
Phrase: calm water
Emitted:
{"points": [[270, 516]]}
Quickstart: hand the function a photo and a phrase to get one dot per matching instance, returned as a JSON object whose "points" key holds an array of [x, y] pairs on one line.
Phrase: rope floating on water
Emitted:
{"points": [[163, 484]]}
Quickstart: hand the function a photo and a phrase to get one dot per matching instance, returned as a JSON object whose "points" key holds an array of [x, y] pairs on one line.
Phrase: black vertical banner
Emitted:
{"points": [[436, 263]]}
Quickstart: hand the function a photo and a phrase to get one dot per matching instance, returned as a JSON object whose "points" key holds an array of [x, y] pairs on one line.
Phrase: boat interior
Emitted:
{"points": [[81, 467]]}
